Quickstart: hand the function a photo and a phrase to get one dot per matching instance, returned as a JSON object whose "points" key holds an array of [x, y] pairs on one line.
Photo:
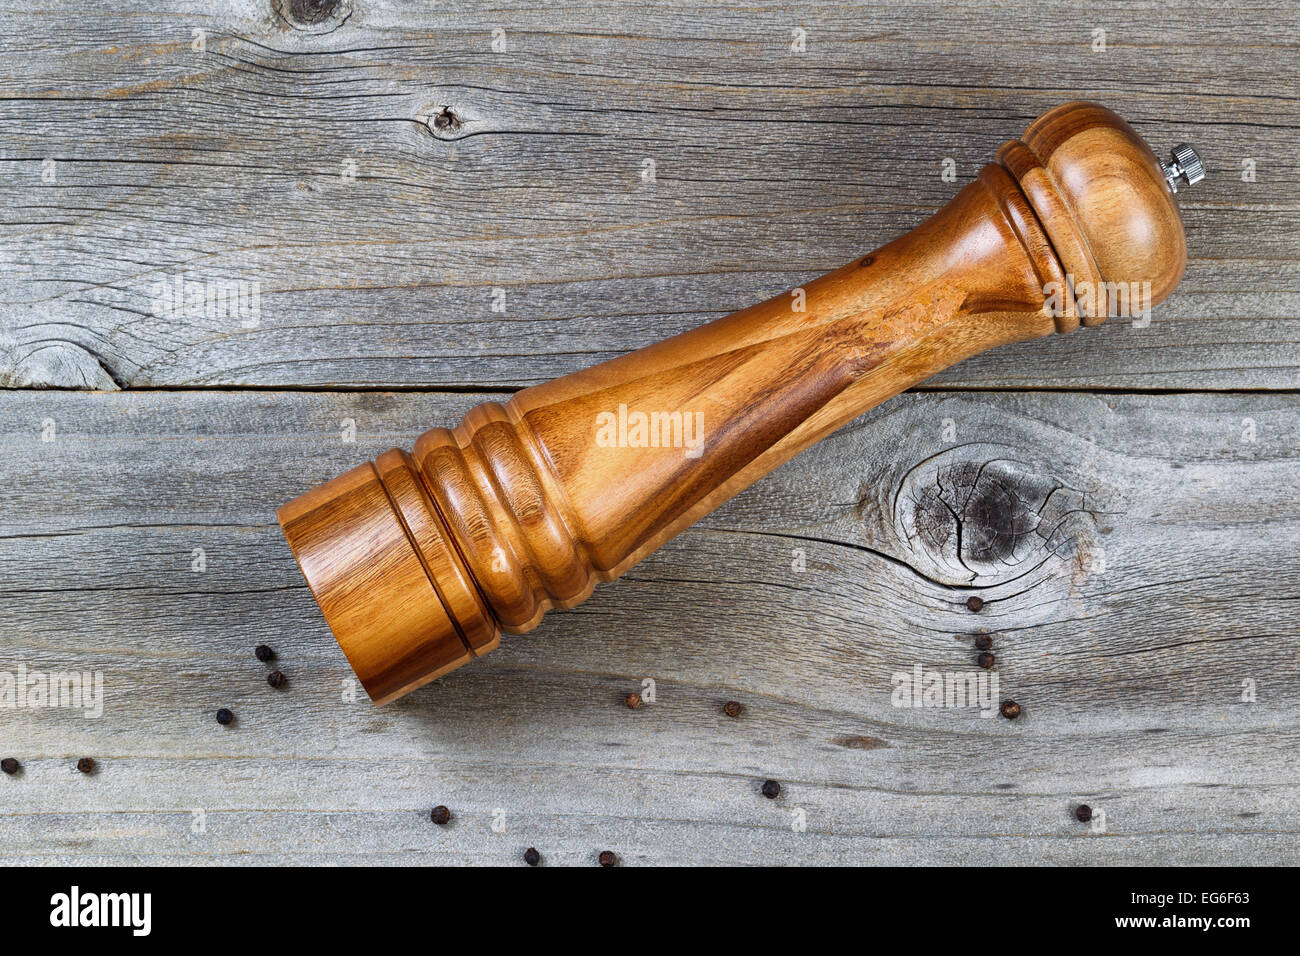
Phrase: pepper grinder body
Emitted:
{"points": [[419, 561]]}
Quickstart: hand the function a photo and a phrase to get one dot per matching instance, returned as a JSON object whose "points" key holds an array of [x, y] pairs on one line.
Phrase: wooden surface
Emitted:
{"points": [[1123, 499]]}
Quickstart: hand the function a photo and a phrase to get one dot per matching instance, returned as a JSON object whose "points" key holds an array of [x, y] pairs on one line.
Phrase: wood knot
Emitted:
{"points": [[446, 122], [312, 11], [313, 16], [982, 514], [446, 119]]}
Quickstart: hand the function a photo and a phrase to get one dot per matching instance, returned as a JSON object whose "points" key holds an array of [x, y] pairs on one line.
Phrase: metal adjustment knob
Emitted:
{"points": [[1186, 163]]}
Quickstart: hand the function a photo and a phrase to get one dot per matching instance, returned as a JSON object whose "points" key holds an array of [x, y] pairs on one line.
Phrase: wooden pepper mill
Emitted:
{"points": [[419, 561]]}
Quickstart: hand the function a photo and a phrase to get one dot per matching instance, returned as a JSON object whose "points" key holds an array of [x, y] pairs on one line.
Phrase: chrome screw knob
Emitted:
{"points": [[1185, 164]]}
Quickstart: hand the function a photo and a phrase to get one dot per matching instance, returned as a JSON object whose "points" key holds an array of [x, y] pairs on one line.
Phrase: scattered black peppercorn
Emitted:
{"points": [[276, 679], [633, 701], [532, 857], [771, 789], [607, 858], [974, 603], [983, 643], [225, 715], [9, 765], [733, 708], [440, 815], [1010, 709], [985, 660], [264, 653], [1083, 813], [86, 765]]}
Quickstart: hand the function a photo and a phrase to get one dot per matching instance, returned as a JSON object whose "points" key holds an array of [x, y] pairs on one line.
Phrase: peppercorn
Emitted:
{"points": [[632, 701], [264, 653], [440, 815], [985, 660], [86, 765], [733, 708], [1010, 709], [1083, 813], [532, 857], [276, 679], [607, 858], [9, 765], [974, 603], [983, 643], [771, 789], [225, 715]]}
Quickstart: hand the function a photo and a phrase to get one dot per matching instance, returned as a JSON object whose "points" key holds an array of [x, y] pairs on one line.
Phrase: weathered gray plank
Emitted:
{"points": [[771, 166], [1126, 614]]}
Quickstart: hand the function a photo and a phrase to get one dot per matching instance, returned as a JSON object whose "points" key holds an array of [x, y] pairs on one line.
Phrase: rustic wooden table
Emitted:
{"points": [[438, 204]]}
